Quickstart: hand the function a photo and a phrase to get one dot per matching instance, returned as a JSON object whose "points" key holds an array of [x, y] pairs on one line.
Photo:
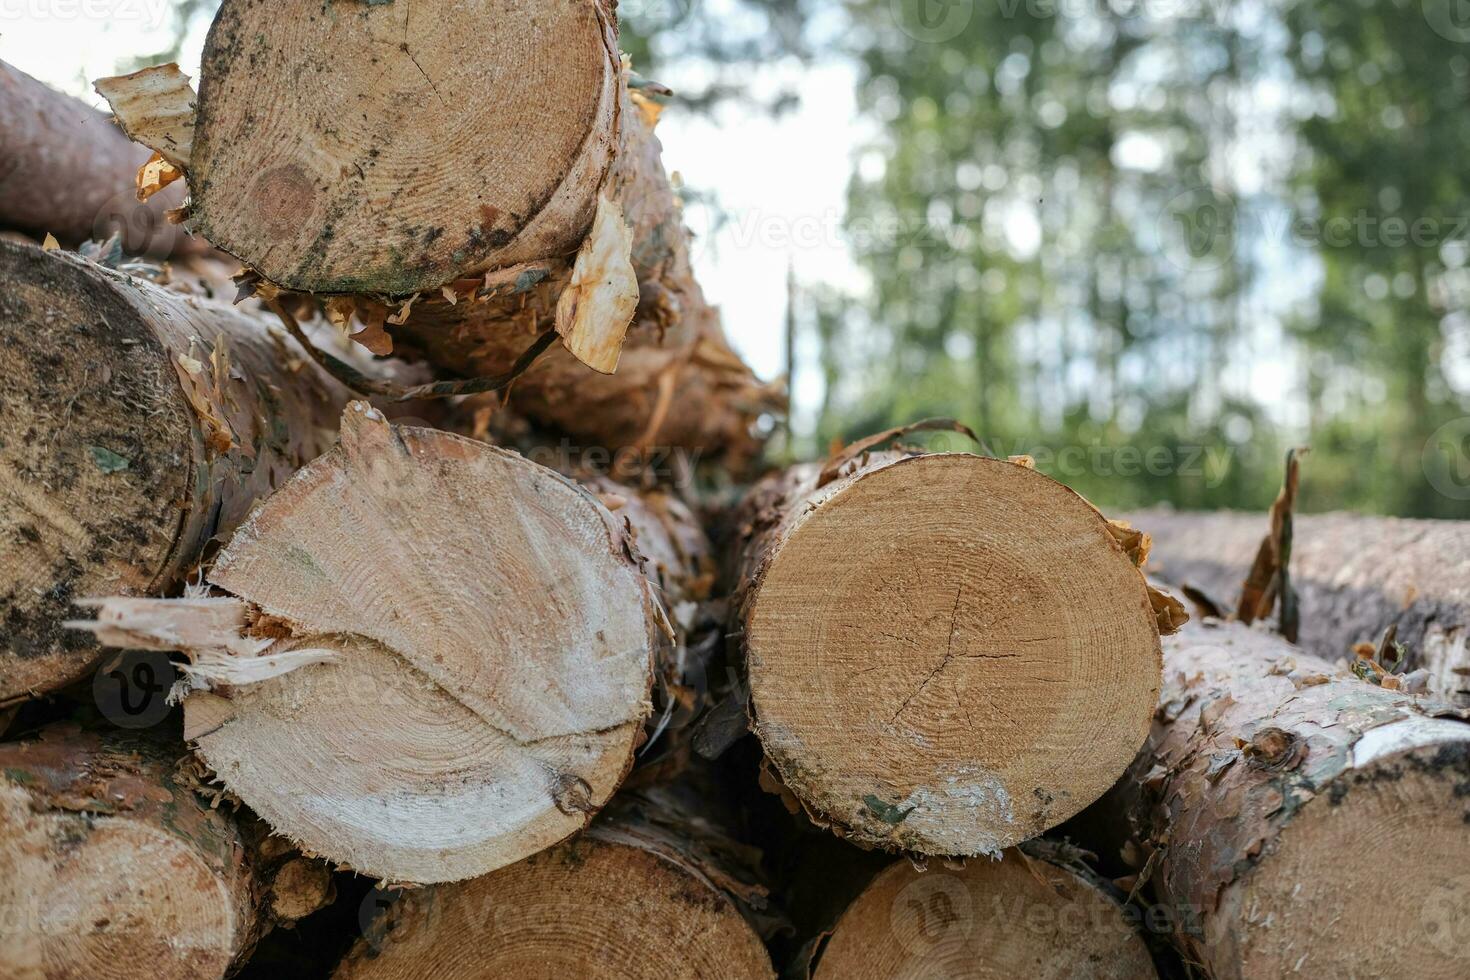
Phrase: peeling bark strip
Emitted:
{"points": [[1355, 576], [108, 860], [388, 185], [946, 654], [489, 638], [648, 892], [136, 425], [1298, 821], [1017, 917], [67, 170]]}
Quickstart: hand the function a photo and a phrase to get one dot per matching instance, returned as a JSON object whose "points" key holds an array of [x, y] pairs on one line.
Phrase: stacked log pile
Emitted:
{"points": [[567, 722]]}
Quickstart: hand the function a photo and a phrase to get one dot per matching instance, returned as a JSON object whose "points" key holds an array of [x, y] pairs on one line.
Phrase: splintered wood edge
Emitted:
{"points": [[857, 616], [324, 565]]}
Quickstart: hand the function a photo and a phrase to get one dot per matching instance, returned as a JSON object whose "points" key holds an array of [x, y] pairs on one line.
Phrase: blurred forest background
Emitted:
{"points": [[1153, 242]]}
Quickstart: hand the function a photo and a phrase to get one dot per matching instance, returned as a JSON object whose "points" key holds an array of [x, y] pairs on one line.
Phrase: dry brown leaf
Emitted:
{"points": [[155, 175]]}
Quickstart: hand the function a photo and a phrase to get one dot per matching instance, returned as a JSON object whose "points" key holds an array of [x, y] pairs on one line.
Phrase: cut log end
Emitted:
{"points": [[588, 909], [107, 870], [425, 158], [949, 654], [94, 434], [1393, 831], [993, 920], [492, 642]]}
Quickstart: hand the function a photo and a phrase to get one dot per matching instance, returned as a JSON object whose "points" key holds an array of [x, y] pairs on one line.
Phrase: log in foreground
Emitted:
{"points": [[646, 892], [1354, 575], [111, 866], [377, 178], [1020, 916], [1297, 820], [946, 654], [434, 658], [67, 170], [136, 424]]}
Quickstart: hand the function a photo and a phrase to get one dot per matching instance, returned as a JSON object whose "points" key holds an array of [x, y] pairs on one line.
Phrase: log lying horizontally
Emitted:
{"points": [[1020, 916], [67, 170], [378, 175], [1296, 820], [136, 424], [109, 864], [946, 653], [647, 892], [434, 659], [1354, 575]]}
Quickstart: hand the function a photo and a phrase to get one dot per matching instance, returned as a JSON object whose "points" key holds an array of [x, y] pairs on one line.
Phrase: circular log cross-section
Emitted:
{"points": [[594, 907], [493, 641], [109, 868], [403, 143], [946, 653], [136, 423], [993, 920]]}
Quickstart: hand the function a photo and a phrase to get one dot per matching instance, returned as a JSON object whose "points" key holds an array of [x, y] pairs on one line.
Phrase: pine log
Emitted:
{"points": [[431, 657], [1355, 576], [945, 653], [1019, 916], [136, 424], [110, 865], [1297, 821], [380, 176], [68, 171], [648, 891]]}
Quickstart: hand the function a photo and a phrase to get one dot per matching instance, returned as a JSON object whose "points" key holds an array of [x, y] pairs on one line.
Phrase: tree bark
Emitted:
{"points": [[650, 890], [433, 657], [1295, 820], [67, 170], [543, 208], [1355, 576], [110, 864], [987, 920], [946, 654], [136, 426]]}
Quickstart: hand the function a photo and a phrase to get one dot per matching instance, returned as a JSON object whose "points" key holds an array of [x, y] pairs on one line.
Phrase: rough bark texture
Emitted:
{"points": [[946, 654], [136, 425], [649, 891], [1020, 916], [1294, 820], [388, 185], [1355, 576], [67, 170], [110, 865], [435, 656]]}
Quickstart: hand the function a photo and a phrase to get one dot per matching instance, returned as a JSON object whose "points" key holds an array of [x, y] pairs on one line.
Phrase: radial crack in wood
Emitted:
{"points": [[946, 653]]}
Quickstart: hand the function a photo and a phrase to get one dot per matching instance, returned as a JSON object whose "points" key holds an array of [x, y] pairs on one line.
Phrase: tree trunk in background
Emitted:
{"points": [[67, 170], [1021, 916], [1295, 820], [651, 890], [136, 425], [544, 207], [475, 632], [110, 865], [946, 654], [1355, 577]]}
